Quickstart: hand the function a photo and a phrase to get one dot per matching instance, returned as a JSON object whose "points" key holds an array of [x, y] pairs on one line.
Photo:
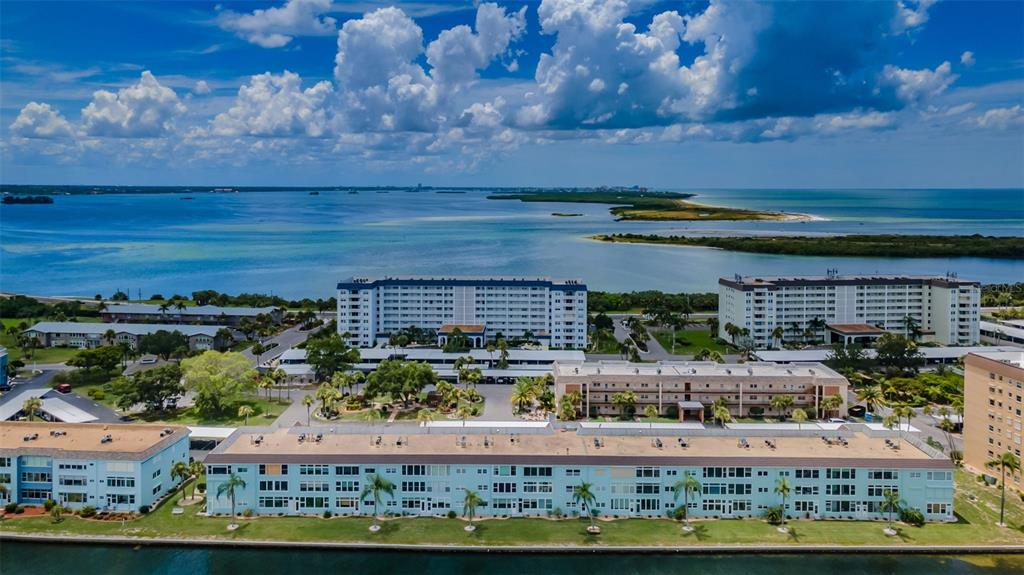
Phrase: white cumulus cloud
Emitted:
{"points": [[967, 58], [276, 27], [915, 86], [1001, 118], [201, 88], [144, 110], [276, 105], [38, 120]]}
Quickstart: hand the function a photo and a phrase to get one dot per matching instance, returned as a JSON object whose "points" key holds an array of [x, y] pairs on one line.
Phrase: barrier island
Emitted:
{"points": [[874, 245]]}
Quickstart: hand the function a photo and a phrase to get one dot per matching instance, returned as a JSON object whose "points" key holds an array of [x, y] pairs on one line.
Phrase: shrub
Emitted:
{"points": [[49, 504], [679, 513], [10, 507], [557, 511], [19, 510], [201, 486], [912, 516], [756, 411], [87, 511], [144, 509], [773, 515], [247, 512], [327, 514], [451, 514]]}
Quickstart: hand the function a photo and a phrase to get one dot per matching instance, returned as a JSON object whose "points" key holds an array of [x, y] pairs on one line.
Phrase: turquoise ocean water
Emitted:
{"points": [[295, 244]]}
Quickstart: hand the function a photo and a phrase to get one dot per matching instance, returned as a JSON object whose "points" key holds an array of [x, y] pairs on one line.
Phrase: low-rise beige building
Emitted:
{"points": [[690, 388], [993, 397]]}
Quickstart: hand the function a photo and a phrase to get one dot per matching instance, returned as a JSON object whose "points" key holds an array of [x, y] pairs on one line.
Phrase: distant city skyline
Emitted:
{"points": [[680, 95]]}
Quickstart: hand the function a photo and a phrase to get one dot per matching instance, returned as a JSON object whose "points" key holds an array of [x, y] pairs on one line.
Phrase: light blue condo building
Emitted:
{"points": [[841, 473], [109, 467]]}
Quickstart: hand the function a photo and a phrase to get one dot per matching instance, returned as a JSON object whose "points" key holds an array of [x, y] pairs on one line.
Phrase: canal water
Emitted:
{"points": [[17, 558]]}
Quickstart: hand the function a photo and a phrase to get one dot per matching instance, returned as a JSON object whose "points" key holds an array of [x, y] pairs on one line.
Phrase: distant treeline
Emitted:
{"points": [[599, 301], [1002, 294], [20, 306], [211, 297], [27, 200], [45, 189], [875, 245]]}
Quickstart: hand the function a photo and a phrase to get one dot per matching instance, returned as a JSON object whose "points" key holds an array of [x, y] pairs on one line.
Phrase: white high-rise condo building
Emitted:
{"points": [[836, 308], [553, 311]]}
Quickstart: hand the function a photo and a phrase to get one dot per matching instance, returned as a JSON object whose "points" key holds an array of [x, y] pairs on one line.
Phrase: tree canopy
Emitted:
{"points": [[399, 379], [152, 388], [218, 380], [330, 354], [105, 357], [163, 343]]}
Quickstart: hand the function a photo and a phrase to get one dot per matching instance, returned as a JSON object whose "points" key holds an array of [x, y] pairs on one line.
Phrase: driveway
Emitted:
{"points": [[285, 340], [497, 402]]}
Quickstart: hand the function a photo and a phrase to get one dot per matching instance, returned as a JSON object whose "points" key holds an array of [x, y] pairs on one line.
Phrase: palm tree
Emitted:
{"points": [[308, 401], [871, 396], [197, 469], [31, 406], [780, 403], [777, 333], [377, 485], [626, 401], [502, 354], [912, 327], [464, 412], [1004, 462], [817, 325], [783, 489], [522, 394], [57, 512], [228, 488], [490, 353], [109, 336], [258, 350], [832, 403], [584, 495], [470, 502], [687, 485], [180, 470], [947, 426], [425, 414], [891, 504], [245, 411], [799, 416], [720, 414]]}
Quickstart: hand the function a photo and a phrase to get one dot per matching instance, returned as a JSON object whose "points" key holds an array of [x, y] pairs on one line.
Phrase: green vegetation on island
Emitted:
{"points": [[565, 215], [644, 205], [874, 245]]}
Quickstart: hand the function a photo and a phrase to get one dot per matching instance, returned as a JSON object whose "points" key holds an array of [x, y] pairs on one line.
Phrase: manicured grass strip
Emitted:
{"points": [[690, 341]]}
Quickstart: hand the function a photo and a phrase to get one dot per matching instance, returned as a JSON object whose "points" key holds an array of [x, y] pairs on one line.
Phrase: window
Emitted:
{"points": [[314, 486], [35, 494], [6, 462], [504, 487], [841, 489], [313, 470], [879, 490], [156, 489], [537, 471], [73, 497], [218, 469], [648, 472], [73, 466], [347, 485], [414, 470], [938, 508], [156, 474], [889, 474], [273, 469], [120, 499], [537, 487], [841, 473], [118, 481], [35, 476], [572, 472], [74, 480], [940, 476], [505, 470], [804, 506], [273, 502], [806, 474], [414, 486], [346, 470], [347, 502], [312, 502], [273, 485]]}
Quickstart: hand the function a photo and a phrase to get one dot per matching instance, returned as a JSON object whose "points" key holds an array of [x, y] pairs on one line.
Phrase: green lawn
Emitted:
{"points": [[690, 341], [266, 412], [43, 355], [976, 526], [605, 345]]}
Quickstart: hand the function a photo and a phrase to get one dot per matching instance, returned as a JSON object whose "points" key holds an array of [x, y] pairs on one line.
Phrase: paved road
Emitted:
{"points": [[497, 402], [285, 340], [102, 413]]}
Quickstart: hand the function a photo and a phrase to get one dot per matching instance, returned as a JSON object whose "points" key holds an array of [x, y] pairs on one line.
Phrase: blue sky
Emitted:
{"points": [[558, 92]]}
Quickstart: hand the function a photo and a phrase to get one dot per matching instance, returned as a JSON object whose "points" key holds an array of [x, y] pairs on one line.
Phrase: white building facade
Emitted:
{"points": [[553, 311], [945, 307]]}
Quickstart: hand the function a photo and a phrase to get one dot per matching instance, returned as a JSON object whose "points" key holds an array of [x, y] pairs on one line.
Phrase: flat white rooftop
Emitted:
{"points": [[1014, 358], [692, 368]]}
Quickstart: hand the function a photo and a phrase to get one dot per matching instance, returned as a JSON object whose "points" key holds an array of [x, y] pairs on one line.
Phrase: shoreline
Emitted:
{"points": [[725, 549]]}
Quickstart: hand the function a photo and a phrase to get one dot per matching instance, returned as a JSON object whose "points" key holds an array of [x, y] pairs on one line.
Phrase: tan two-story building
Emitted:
{"points": [[690, 388]]}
